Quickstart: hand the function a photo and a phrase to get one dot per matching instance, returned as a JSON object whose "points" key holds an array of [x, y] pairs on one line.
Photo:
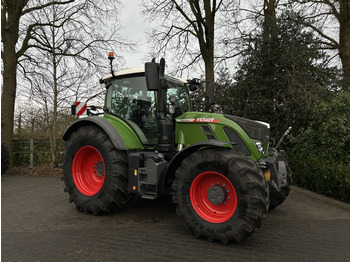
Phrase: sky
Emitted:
{"points": [[135, 27]]}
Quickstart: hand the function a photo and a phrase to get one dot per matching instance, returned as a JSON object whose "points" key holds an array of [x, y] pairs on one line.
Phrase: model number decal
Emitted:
{"points": [[199, 120]]}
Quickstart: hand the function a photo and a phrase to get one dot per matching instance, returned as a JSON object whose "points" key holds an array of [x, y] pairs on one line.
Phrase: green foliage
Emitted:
{"points": [[281, 77], [320, 157], [329, 132], [325, 175], [223, 85]]}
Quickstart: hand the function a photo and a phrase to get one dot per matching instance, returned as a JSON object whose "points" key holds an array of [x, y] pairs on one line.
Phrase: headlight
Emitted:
{"points": [[259, 146]]}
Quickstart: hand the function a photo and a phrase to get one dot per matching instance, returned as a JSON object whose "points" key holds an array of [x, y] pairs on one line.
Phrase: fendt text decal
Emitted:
{"points": [[198, 120]]}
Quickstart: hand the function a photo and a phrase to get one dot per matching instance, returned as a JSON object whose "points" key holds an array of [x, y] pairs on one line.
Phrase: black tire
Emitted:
{"points": [[278, 197], [5, 158], [214, 220], [99, 186]]}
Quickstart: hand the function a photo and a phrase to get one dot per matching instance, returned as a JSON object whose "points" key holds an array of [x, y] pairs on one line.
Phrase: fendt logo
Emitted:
{"points": [[198, 120], [80, 108]]}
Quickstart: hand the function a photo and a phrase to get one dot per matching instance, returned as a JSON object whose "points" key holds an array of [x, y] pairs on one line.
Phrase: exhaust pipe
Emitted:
{"points": [[281, 139]]}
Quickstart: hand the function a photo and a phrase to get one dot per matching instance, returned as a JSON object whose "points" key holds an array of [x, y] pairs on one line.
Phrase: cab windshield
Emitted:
{"points": [[129, 99]]}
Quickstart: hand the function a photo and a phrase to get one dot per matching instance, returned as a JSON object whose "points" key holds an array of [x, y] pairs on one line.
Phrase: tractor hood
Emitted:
{"points": [[255, 129], [250, 137]]}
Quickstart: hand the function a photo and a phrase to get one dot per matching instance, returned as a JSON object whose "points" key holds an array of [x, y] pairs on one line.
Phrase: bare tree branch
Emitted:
{"points": [[40, 7]]}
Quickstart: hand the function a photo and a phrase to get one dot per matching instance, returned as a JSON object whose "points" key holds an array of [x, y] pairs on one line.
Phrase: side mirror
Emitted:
{"points": [[193, 84], [154, 73], [152, 76]]}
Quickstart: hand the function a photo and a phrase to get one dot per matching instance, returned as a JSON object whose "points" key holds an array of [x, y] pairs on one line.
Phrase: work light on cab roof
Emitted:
{"points": [[111, 58], [110, 55]]}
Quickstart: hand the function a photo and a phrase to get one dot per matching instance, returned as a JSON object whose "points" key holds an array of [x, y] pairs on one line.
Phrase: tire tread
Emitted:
{"points": [[252, 210], [115, 192]]}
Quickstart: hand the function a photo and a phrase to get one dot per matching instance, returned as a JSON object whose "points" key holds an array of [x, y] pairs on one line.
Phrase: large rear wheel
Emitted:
{"points": [[220, 194], [95, 172]]}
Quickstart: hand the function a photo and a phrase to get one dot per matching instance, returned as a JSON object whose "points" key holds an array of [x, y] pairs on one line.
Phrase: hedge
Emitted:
{"points": [[324, 175]]}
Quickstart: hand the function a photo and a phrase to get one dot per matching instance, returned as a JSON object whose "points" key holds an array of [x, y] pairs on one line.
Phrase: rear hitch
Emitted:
{"points": [[279, 169]]}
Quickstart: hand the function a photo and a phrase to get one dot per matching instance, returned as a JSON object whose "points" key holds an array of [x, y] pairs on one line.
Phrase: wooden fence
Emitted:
{"points": [[35, 151]]}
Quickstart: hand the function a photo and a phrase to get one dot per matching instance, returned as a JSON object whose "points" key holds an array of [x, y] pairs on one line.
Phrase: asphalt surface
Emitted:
{"points": [[39, 224]]}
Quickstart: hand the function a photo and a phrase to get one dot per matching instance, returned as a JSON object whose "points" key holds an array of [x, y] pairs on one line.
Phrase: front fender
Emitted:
{"points": [[180, 156], [110, 130]]}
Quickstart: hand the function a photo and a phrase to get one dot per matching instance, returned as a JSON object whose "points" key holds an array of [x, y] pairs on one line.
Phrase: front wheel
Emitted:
{"points": [[95, 172], [220, 194]]}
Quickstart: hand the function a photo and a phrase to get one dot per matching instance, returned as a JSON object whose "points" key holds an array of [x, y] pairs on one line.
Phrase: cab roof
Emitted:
{"points": [[125, 72], [137, 71]]}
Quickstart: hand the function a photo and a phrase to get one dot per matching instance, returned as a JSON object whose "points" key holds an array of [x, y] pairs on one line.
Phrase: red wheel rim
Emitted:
{"points": [[88, 170], [201, 188]]}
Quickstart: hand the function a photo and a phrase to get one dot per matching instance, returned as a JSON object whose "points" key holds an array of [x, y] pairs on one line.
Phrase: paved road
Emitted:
{"points": [[38, 224]]}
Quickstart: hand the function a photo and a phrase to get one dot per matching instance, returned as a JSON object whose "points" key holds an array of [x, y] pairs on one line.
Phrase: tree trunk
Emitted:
{"points": [[344, 40], [209, 77], [8, 93], [270, 20], [11, 12], [53, 128], [207, 49], [19, 129], [269, 48]]}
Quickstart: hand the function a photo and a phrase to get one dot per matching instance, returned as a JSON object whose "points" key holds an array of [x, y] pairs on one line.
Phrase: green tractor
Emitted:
{"points": [[221, 173]]}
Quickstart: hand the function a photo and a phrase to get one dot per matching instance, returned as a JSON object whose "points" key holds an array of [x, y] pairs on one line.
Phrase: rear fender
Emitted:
{"points": [[110, 130]]}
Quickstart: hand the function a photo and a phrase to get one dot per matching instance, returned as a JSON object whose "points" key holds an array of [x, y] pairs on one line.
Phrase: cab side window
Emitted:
{"points": [[181, 98], [129, 99]]}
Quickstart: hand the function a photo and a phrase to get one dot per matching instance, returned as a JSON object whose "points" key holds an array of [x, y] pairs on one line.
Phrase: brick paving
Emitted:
{"points": [[39, 224]]}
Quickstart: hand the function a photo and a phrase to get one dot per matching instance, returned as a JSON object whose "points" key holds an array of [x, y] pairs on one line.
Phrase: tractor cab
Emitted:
{"points": [[128, 98]]}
